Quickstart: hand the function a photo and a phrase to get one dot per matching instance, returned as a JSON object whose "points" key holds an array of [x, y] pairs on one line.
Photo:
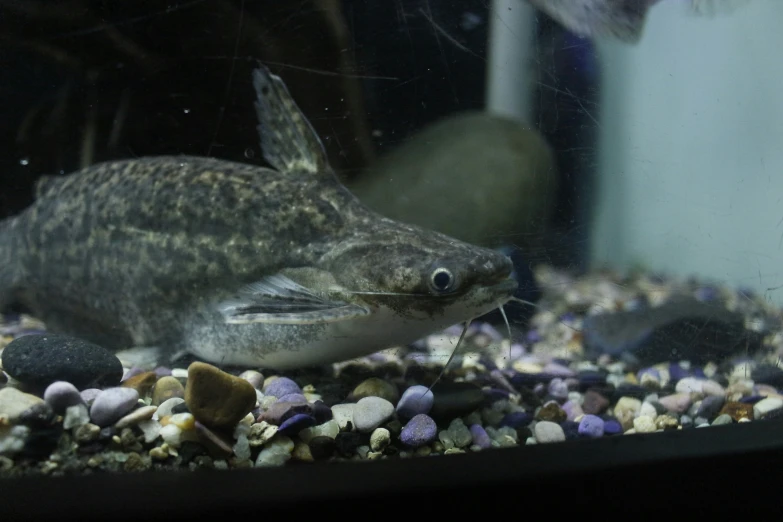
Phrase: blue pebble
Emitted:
{"points": [[677, 372], [753, 399], [710, 407], [612, 427], [593, 426], [589, 378], [480, 437], [516, 419], [698, 372], [296, 423], [419, 431], [281, 387], [415, 400]]}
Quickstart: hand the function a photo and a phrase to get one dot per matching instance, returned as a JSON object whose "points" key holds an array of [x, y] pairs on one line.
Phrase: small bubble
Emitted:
{"points": [[250, 153], [186, 111], [24, 161]]}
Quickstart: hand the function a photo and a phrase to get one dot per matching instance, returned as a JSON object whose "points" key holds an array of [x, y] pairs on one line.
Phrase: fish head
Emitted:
{"points": [[419, 274]]}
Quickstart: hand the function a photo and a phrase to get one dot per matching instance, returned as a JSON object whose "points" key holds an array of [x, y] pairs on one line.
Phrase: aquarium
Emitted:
{"points": [[291, 254]]}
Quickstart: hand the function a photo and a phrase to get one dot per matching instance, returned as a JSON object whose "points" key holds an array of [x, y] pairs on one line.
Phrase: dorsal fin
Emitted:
{"points": [[46, 183], [288, 141]]}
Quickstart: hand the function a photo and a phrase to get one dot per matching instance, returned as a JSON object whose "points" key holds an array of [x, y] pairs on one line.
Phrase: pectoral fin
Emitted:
{"points": [[279, 300]]}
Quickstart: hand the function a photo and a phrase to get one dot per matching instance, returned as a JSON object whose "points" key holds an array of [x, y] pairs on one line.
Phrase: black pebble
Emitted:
{"points": [[41, 359], [180, 408], [348, 441], [455, 400], [321, 412], [322, 447], [768, 374], [37, 416]]}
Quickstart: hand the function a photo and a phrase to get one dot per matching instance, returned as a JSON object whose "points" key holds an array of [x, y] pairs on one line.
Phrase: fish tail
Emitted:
{"points": [[9, 264], [621, 19], [288, 141]]}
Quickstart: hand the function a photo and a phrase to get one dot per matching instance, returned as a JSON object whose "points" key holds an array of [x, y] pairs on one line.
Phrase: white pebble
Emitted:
{"points": [[242, 448], [76, 415], [644, 424], [546, 431], [689, 385], [171, 434], [179, 373], [151, 429], [343, 414], [328, 429], [371, 412], [626, 409], [379, 439], [764, 406], [712, 388], [276, 453], [165, 407], [12, 440], [648, 410]]}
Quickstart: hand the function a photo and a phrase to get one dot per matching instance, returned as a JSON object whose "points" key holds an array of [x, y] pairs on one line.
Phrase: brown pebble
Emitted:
{"points": [[737, 410], [167, 388], [375, 387], [135, 462], [142, 382], [551, 412], [136, 416], [217, 446], [594, 403], [216, 398]]}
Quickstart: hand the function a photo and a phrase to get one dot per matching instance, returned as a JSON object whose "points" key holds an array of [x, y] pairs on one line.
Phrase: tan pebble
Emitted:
{"points": [[142, 382], [95, 461], [216, 398], [260, 433], [375, 387], [136, 416], [451, 451], [302, 452], [86, 432], [424, 451], [158, 453], [14, 402], [166, 388], [184, 421]]}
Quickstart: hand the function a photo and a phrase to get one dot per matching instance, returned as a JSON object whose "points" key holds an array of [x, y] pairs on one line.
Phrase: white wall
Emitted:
{"points": [[690, 164]]}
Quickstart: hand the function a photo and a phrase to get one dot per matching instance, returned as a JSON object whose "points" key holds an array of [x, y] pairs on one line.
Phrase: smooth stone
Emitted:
{"points": [[689, 385], [321, 412], [516, 419], [167, 388], [293, 397], [256, 379], [644, 424], [455, 399], [296, 423], [60, 395], [281, 386], [558, 370], [370, 412], [710, 407], [166, 408], [343, 415], [13, 403], [142, 382], [278, 412], [88, 395], [764, 406], [594, 403], [112, 404], [572, 409], [212, 440], [162, 371], [724, 418], [136, 416], [380, 439], [677, 402], [216, 398], [551, 412], [546, 431], [612, 427], [76, 415], [276, 453], [375, 387], [480, 437], [322, 448], [419, 431], [326, 429], [414, 401], [626, 409], [591, 426], [558, 388], [42, 359]]}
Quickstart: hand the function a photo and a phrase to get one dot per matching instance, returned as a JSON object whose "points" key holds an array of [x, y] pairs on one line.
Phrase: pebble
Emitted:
{"points": [[171, 435], [738, 410], [76, 415], [166, 407], [455, 399], [612, 427], [184, 421], [558, 389], [13, 403], [242, 448], [278, 412], [572, 409], [594, 403], [460, 433], [380, 439], [415, 400], [724, 418], [296, 423], [322, 447], [546, 431], [260, 433], [375, 387], [591, 426], [420, 430], [151, 429], [256, 379], [136, 416], [343, 415], [677, 402], [626, 409], [764, 406], [112, 404], [88, 395], [60, 395], [516, 419], [280, 387], [216, 398], [212, 440], [41, 359], [710, 407], [142, 382], [327, 429], [480, 437], [166, 388], [644, 424], [276, 453], [371, 412], [551, 412], [86, 433]]}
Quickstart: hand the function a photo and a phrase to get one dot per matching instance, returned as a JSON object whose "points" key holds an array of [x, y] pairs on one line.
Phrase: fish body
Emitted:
{"points": [[238, 264], [620, 19]]}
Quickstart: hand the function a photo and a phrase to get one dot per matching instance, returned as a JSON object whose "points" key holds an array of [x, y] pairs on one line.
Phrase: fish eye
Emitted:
{"points": [[442, 280]]}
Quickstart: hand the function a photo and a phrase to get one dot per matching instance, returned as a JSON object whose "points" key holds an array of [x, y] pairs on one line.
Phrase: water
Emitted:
{"points": [[634, 185]]}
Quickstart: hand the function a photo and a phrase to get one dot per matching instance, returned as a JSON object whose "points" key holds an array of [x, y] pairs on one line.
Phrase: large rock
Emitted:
{"points": [[216, 398]]}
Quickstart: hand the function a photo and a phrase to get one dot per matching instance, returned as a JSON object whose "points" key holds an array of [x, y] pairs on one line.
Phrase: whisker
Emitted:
{"points": [[544, 309], [387, 293], [453, 353], [508, 327]]}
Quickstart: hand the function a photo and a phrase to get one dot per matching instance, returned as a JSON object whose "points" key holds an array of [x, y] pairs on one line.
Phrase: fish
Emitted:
{"points": [[277, 267], [620, 19]]}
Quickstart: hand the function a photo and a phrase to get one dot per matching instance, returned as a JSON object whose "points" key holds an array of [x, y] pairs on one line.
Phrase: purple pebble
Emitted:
{"points": [[88, 395], [296, 423], [612, 427], [558, 389], [591, 426], [282, 386], [516, 419], [558, 370], [162, 371], [414, 401], [293, 397], [112, 404], [419, 431], [60, 395], [480, 437]]}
